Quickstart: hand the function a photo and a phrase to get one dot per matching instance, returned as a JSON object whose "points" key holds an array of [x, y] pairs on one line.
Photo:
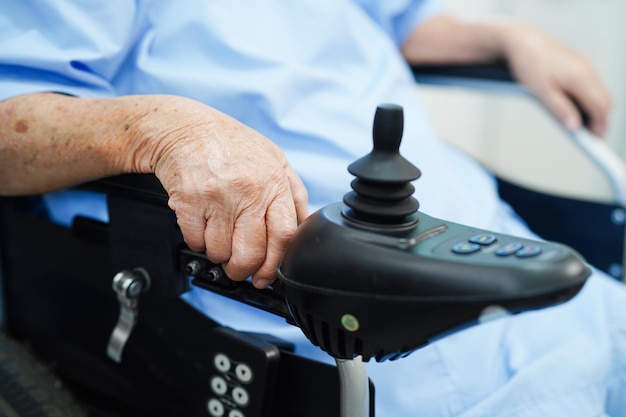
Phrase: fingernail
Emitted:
{"points": [[262, 283], [571, 123], [599, 130]]}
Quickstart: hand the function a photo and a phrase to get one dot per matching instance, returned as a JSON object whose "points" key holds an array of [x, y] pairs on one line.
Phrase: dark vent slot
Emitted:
{"points": [[341, 344], [313, 333], [325, 335], [358, 347]]}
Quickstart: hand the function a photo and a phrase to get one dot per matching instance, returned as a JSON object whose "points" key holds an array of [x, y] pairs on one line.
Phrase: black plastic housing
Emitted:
{"points": [[406, 288]]}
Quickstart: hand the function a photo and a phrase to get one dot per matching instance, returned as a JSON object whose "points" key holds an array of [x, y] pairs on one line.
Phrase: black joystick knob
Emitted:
{"points": [[382, 192]]}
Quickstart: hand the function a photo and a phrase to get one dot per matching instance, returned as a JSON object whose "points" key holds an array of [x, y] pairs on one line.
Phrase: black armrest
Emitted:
{"points": [[496, 72], [490, 72], [142, 186]]}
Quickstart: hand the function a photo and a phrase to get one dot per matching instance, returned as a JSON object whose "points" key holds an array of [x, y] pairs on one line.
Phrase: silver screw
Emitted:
{"points": [[134, 288], [618, 216], [215, 274], [193, 267]]}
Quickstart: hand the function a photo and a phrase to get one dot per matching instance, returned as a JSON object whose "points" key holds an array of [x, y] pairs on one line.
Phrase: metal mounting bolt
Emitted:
{"points": [[215, 273], [131, 283], [618, 216], [193, 267], [134, 289]]}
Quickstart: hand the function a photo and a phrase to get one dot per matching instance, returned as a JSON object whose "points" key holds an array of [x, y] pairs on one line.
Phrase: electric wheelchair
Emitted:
{"points": [[95, 324]]}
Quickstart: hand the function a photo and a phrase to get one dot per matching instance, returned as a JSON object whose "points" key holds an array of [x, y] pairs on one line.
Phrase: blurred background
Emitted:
{"points": [[514, 136]]}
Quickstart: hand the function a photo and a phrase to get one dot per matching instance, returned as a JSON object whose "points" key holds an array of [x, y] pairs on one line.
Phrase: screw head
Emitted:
{"points": [[215, 274], [618, 216], [193, 267], [134, 289]]}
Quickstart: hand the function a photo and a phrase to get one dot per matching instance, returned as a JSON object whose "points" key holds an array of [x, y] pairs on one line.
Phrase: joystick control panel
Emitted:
{"points": [[374, 276]]}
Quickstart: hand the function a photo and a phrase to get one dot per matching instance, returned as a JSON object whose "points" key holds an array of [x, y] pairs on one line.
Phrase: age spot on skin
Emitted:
{"points": [[21, 126]]}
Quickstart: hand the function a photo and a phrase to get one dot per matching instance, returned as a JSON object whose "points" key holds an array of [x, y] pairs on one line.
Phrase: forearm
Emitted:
{"points": [[446, 39], [50, 141]]}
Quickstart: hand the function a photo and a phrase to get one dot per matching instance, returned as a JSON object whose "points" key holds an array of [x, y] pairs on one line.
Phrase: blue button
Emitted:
{"points": [[483, 239], [528, 251], [464, 248], [509, 249]]}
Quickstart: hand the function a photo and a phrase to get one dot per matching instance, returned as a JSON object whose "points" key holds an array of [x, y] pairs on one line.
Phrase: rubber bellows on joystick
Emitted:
{"points": [[382, 195]]}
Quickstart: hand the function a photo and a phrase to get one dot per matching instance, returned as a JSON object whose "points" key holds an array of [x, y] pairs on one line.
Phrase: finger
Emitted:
{"points": [[562, 108], [249, 243], [281, 225], [598, 128], [299, 194], [595, 101], [192, 228], [218, 232]]}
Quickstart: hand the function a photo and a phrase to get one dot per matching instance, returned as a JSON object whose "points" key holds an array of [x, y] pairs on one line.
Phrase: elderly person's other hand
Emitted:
{"points": [[557, 75]]}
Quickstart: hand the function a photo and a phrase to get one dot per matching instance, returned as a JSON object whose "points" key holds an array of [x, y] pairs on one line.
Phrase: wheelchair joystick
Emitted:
{"points": [[382, 196]]}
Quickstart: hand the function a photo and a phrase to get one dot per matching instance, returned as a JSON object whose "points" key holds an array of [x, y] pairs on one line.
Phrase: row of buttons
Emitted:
{"points": [[475, 243], [218, 407], [242, 371], [239, 394]]}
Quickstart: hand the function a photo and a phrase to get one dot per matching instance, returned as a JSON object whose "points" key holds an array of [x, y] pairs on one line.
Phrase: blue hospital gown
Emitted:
{"points": [[309, 75]]}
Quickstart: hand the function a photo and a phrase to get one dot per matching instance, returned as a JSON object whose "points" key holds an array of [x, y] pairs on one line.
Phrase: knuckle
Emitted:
{"points": [[240, 269], [246, 261], [192, 234], [284, 235], [217, 256], [193, 244]]}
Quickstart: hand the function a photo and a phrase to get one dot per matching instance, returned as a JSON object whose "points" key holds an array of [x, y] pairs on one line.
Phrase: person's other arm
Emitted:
{"points": [[234, 194], [551, 71]]}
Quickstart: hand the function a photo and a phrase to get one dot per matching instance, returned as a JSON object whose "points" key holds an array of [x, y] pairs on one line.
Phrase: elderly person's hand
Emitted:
{"points": [[234, 194], [559, 77]]}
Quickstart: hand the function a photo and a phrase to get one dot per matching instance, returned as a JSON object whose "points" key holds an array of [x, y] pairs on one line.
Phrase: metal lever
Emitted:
{"points": [[129, 285], [353, 388]]}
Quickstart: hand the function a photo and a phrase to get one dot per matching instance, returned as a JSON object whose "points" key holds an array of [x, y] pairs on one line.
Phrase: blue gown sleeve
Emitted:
{"points": [[399, 17], [74, 49]]}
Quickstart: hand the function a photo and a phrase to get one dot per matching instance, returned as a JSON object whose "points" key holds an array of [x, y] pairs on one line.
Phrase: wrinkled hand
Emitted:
{"points": [[558, 77], [235, 196]]}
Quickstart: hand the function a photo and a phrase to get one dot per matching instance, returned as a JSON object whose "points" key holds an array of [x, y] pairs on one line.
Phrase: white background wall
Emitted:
{"points": [[515, 136]]}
